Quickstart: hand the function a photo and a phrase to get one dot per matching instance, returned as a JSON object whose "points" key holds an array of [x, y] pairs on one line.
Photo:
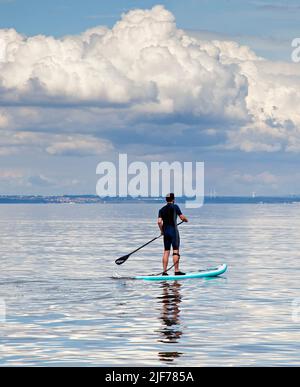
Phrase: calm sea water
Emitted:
{"points": [[63, 306]]}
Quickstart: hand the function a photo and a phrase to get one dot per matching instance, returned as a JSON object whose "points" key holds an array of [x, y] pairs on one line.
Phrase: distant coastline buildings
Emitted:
{"points": [[211, 198]]}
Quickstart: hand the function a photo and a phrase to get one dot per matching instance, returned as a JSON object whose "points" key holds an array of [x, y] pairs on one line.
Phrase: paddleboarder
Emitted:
{"points": [[167, 222]]}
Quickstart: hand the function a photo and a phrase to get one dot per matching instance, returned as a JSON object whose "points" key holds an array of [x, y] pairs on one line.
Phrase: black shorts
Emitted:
{"points": [[171, 238]]}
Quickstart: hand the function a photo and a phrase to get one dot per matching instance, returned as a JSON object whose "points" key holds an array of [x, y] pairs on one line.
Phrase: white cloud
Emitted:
{"points": [[78, 146], [26, 180], [40, 181], [270, 47], [144, 61], [12, 143], [265, 178], [144, 69], [4, 120], [10, 174]]}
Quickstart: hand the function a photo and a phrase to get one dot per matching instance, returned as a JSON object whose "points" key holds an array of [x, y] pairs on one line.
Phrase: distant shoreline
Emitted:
{"points": [[92, 199]]}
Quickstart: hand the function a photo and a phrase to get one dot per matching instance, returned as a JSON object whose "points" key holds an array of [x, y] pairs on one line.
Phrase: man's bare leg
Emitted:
{"points": [[176, 258], [166, 259]]}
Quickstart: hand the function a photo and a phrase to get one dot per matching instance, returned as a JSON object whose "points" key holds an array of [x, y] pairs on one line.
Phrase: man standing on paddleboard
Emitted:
{"points": [[167, 222]]}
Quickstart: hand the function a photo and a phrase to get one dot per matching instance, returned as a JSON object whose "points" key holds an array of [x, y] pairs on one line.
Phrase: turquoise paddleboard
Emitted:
{"points": [[213, 272]]}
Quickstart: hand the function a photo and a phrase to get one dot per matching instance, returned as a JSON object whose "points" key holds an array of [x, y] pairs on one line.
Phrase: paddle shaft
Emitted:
{"points": [[146, 244]]}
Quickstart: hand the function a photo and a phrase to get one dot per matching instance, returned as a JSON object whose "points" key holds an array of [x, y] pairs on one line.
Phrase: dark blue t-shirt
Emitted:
{"points": [[169, 215]]}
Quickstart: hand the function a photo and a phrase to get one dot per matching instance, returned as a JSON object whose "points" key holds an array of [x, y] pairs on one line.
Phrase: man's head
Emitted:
{"points": [[170, 198]]}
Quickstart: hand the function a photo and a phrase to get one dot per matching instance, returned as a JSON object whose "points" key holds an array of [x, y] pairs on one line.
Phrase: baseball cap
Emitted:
{"points": [[170, 197]]}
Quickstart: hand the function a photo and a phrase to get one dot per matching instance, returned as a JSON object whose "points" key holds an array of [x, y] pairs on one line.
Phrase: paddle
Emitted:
{"points": [[123, 259]]}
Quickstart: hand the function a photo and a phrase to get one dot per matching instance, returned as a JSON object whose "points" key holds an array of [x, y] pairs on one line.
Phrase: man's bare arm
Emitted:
{"points": [[183, 218], [160, 224]]}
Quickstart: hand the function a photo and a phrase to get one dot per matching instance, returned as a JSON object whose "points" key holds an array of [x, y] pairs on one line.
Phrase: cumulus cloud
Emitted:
{"points": [[145, 70], [144, 61]]}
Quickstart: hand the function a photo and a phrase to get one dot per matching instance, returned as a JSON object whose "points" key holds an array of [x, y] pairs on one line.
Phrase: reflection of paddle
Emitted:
{"points": [[122, 260]]}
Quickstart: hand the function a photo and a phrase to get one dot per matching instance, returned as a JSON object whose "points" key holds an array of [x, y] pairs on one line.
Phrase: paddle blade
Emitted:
{"points": [[121, 260]]}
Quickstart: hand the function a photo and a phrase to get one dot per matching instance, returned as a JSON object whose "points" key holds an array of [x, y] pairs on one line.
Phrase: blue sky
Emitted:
{"points": [[58, 112]]}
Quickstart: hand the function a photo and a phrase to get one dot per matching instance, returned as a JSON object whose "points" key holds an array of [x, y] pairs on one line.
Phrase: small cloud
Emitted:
{"points": [[7, 174], [79, 146], [102, 16], [265, 178], [4, 120], [40, 181], [278, 7]]}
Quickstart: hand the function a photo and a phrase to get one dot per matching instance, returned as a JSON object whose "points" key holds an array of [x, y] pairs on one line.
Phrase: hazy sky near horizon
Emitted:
{"points": [[200, 80]]}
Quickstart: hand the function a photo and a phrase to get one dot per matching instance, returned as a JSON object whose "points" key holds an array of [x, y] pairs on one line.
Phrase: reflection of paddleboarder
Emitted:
{"points": [[167, 222], [170, 299]]}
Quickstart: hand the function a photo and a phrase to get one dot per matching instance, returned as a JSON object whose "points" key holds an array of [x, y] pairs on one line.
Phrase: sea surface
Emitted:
{"points": [[63, 301]]}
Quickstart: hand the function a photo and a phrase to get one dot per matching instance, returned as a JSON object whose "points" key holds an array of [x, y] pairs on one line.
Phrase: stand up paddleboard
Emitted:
{"points": [[213, 272]]}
